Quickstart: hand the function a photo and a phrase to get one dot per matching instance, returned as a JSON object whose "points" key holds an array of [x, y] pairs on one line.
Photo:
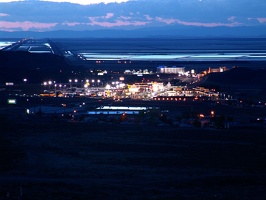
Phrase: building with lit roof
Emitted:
{"points": [[170, 70]]}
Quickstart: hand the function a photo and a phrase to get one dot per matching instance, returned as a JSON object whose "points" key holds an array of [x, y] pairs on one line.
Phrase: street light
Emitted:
{"points": [[45, 84], [49, 83], [70, 81], [108, 87], [55, 85], [212, 113]]}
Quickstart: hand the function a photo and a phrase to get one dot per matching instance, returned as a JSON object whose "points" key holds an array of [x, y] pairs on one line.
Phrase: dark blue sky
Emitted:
{"points": [[34, 15]]}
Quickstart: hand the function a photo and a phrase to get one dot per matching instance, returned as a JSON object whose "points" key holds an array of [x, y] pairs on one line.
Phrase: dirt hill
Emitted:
{"points": [[239, 77]]}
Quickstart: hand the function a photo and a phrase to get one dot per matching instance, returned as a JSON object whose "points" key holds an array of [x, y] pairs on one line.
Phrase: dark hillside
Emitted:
{"points": [[239, 77], [16, 65]]}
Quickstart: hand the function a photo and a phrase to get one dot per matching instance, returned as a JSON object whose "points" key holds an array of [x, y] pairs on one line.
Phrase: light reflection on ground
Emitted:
{"points": [[4, 44], [180, 57]]}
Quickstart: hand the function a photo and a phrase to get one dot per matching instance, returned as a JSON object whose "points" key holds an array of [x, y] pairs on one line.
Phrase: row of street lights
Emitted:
{"points": [[52, 83], [72, 81], [45, 83], [87, 80]]}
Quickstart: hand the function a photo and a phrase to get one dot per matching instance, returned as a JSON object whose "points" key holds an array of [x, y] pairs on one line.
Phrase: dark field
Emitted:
{"points": [[162, 45], [77, 161]]}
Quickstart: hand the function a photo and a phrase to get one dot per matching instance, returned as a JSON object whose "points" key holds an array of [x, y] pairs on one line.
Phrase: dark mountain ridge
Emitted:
{"points": [[239, 77], [160, 31]]}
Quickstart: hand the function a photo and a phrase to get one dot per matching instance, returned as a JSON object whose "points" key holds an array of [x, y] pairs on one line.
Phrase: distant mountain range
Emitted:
{"points": [[161, 32]]}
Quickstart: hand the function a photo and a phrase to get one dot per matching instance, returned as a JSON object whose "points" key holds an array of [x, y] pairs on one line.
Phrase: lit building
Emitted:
{"points": [[215, 70], [157, 87], [120, 110], [170, 70], [133, 89]]}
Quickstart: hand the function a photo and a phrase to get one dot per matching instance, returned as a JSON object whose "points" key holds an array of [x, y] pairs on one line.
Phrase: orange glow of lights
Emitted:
{"points": [[201, 115]]}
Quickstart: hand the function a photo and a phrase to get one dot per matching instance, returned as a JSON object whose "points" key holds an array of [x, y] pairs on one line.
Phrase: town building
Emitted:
{"points": [[120, 110], [170, 70]]}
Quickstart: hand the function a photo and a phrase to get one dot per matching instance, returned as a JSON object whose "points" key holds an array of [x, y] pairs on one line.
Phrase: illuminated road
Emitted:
{"points": [[33, 46]]}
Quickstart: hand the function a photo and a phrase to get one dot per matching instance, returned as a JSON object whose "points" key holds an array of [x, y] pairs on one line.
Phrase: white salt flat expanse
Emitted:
{"points": [[4, 44], [180, 57]]}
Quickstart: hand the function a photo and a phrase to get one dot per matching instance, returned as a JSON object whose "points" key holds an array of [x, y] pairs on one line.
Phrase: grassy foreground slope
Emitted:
{"points": [[122, 162]]}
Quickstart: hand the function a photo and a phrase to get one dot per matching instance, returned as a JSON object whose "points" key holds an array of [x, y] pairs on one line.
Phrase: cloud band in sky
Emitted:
{"points": [[40, 15]]}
